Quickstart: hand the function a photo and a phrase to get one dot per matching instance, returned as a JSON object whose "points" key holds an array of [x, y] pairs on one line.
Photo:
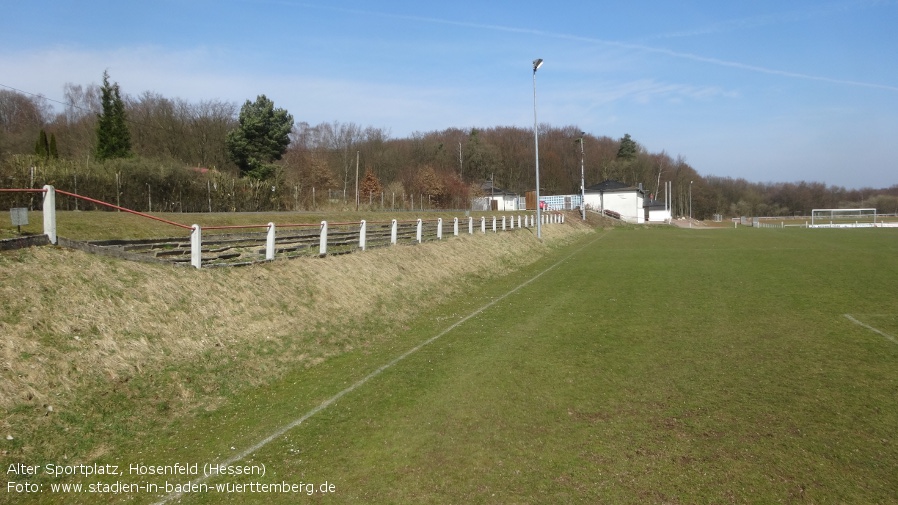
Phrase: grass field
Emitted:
{"points": [[634, 366]]}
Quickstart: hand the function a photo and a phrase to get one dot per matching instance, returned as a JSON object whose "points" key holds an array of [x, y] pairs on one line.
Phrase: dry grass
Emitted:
{"points": [[75, 325]]}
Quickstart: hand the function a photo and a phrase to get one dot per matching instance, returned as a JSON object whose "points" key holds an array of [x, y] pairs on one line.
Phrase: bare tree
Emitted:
{"points": [[21, 119]]}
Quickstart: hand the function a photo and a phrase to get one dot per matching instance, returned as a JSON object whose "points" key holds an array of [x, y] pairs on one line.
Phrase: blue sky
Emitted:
{"points": [[762, 90]]}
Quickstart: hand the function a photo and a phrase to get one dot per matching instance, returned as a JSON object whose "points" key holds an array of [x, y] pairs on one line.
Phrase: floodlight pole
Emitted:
{"points": [[539, 234], [690, 202], [582, 179]]}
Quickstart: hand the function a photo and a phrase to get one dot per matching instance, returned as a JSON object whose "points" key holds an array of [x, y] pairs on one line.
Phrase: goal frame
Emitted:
{"points": [[843, 217]]}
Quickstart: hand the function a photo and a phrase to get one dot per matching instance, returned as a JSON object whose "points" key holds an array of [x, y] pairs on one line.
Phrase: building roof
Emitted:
{"points": [[488, 189], [612, 186], [655, 204]]}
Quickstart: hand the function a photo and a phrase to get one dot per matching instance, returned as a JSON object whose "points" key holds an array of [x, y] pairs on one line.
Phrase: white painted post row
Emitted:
{"points": [[196, 256]]}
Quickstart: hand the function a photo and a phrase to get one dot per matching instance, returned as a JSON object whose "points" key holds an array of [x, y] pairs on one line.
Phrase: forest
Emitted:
{"points": [[179, 156]]}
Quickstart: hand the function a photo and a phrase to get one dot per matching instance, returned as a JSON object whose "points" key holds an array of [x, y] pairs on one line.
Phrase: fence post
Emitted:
{"points": [[269, 242], [393, 226], [322, 248], [503, 223], [50, 213], [196, 246], [363, 230], [439, 228], [470, 225], [482, 224], [455, 226], [420, 227]]}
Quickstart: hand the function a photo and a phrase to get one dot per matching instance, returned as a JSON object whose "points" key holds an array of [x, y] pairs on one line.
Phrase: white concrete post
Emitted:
{"points": [[196, 246], [494, 224], [455, 226], [50, 213], [363, 231], [393, 226], [419, 233], [470, 225], [322, 245], [269, 242], [439, 228], [483, 225]]}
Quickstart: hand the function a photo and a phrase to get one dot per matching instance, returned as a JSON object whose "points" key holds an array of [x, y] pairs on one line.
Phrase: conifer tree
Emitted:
{"points": [[42, 147], [113, 137], [260, 138], [628, 148], [52, 152]]}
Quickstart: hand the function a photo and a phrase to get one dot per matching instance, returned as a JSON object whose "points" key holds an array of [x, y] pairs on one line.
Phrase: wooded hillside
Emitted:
{"points": [[179, 161]]}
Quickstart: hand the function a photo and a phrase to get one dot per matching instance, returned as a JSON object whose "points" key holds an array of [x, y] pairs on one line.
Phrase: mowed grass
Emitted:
{"points": [[634, 366], [672, 366]]}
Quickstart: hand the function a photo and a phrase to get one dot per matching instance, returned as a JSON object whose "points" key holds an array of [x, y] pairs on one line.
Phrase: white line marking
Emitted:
{"points": [[330, 401], [865, 325]]}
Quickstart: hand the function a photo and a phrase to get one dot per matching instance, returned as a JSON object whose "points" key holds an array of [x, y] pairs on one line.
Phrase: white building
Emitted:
{"points": [[657, 211], [495, 199], [618, 200]]}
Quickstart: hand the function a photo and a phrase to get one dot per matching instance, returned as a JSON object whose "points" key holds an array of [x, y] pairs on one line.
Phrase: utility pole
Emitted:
{"points": [[582, 179]]}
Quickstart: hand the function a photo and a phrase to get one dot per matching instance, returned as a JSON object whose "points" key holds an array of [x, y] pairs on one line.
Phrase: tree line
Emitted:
{"points": [[150, 152]]}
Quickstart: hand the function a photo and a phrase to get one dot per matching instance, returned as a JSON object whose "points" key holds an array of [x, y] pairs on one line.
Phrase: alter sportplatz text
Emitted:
{"points": [[207, 469]]}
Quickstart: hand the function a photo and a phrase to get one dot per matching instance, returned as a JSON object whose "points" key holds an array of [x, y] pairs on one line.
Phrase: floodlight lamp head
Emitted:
{"points": [[536, 64]]}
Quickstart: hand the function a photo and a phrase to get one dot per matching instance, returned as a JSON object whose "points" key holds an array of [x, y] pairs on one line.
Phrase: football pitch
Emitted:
{"points": [[634, 366]]}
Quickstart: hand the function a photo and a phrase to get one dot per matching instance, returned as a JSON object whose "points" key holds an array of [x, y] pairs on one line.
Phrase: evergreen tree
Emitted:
{"points": [[261, 137], [42, 147], [52, 152], [113, 137], [628, 148]]}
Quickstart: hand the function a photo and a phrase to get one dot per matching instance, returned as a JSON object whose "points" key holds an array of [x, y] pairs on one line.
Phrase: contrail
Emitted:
{"points": [[624, 45]]}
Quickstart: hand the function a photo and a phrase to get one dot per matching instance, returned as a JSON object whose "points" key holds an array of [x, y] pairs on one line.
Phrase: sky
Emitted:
{"points": [[768, 91]]}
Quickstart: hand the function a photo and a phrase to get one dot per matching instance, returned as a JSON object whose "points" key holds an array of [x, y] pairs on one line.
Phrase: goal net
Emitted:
{"points": [[843, 218]]}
